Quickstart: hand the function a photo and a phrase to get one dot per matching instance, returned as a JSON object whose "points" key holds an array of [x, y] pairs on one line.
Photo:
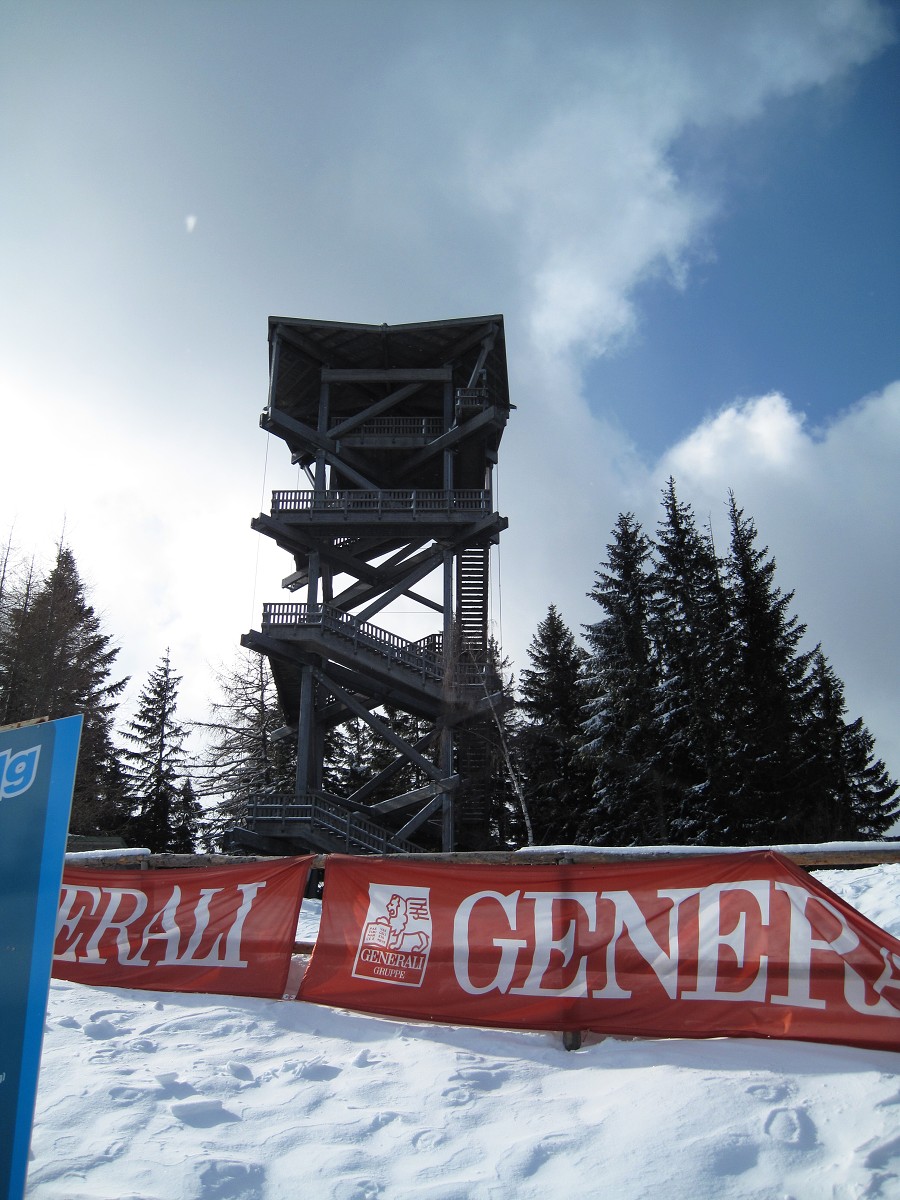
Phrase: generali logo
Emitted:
{"points": [[396, 936]]}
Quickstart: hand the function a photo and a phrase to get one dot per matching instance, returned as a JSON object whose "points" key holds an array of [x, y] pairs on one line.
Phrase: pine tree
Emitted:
{"points": [[186, 818], [55, 661], [691, 636], [770, 777], [556, 777], [630, 801], [243, 757], [157, 763]]}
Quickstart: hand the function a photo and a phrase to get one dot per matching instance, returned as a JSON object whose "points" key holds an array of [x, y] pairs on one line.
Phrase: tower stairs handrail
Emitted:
{"points": [[345, 824], [425, 660], [425, 657]]}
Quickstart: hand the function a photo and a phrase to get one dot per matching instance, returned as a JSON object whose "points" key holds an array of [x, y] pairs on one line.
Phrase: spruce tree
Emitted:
{"points": [[156, 762], [556, 777], [55, 661], [621, 737]]}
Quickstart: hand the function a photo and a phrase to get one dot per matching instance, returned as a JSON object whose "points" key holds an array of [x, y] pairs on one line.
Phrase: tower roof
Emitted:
{"points": [[306, 346]]}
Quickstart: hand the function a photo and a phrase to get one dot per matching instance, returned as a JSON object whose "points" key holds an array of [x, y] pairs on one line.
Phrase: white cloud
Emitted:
{"points": [[762, 434], [585, 176]]}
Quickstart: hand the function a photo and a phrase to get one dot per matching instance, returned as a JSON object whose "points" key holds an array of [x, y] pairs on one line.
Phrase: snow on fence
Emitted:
{"points": [[813, 855]]}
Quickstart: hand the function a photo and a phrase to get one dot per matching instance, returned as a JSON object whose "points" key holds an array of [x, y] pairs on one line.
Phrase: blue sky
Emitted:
{"points": [[685, 209], [796, 285]]}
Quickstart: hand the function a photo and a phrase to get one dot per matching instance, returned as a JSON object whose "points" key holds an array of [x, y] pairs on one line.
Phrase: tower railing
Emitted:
{"points": [[394, 500], [471, 400]]}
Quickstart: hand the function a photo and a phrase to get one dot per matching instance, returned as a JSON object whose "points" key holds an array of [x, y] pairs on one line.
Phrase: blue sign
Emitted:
{"points": [[37, 775]]}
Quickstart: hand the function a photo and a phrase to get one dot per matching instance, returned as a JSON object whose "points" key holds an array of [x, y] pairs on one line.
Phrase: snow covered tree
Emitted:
{"points": [[852, 795], [556, 778], [157, 763], [56, 661], [630, 801], [769, 780]]}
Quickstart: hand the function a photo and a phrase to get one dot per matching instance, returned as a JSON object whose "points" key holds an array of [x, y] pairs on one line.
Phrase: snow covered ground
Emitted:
{"points": [[156, 1096]]}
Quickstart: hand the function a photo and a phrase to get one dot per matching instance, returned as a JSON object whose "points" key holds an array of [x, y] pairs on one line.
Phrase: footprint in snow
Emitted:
{"points": [[791, 1127], [770, 1093], [125, 1095], [365, 1059], [172, 1088], [882, 1153], [380, 1119], [525, 1158], [143, 1046], [240, 1070], [428, 1139], [224, 1179], [357, 1189], [484, 1079], [202, 1113], [316, 1070], [731, 1155], [102, 1030]]}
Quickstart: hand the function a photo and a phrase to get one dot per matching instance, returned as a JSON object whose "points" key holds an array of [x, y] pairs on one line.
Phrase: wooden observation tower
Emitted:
{"points": [[397, 429]]}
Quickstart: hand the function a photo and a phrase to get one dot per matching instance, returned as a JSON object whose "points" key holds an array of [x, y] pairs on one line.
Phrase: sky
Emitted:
{"points": [[200, 1097], [685, 211]]}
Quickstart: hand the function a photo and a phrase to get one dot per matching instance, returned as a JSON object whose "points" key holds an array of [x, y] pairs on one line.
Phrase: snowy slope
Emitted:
{"points": [[155, 1096]]}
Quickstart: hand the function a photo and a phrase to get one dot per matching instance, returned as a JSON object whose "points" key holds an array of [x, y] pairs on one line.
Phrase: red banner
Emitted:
{"points": [[227, 930], [737, 945]]}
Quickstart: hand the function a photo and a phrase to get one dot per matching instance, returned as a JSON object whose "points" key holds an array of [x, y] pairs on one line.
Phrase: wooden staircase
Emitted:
{"points": [[472, 601], [322, 824]]}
